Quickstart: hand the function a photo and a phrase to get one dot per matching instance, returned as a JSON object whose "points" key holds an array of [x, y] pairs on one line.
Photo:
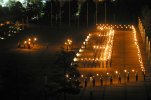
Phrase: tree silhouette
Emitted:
{"points": [[65, 11], [16, 10], [52, 9], [74, 8], [65, 66], [91, 11]]}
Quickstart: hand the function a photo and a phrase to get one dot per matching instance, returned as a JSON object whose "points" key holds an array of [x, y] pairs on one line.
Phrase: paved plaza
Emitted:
{"points": [[124, 60]]}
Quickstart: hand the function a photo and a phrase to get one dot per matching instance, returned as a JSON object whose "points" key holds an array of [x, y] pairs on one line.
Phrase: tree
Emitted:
{"points": [[65, 11], [51, 9], [16, 10], [1, 12], [74, 8], [90, 4], [4, 13], [66, 76], [34, 9]]}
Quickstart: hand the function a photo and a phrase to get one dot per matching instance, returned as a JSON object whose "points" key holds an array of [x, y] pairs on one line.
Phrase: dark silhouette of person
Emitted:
{"points": [[19, 44], [111, 80], [29, 46], [110, 62], [101, 80], [85, 82], [119, 78], [144, 75], [136, 75], [128, 77], [93, 81]]}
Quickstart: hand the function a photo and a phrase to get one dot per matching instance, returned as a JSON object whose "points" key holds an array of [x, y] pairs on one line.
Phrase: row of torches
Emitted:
{"points": [[106, 48], [107, 73], [138, 49], [109, 26]]}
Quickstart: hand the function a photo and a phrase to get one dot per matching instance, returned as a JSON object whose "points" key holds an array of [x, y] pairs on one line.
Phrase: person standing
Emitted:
{"points": [[101, 80], [128, 77], [136, 75], [119, 78], [144, 74], [111, 80], [18, 45], [93, 81], [85, 81]]}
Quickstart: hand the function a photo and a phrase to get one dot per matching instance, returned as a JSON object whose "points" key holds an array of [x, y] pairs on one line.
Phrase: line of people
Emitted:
{"points": [[92, 79]]}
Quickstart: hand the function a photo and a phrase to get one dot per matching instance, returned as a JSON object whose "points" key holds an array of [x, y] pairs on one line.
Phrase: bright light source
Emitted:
{"points": [[75, 59], [67, 75], [77, 54], [25, 42], [35, 39], [29, 39], [116, 72], [2, 38]]}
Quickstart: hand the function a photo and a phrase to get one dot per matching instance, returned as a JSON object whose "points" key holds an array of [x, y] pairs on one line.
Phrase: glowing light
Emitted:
{"points": [[25, 42], [67, 75], [77, 54], [2, 38], [82, 76], [138, 49], [116, 72], [29, 39], [81, 50], [35, 39], [75, 59]]}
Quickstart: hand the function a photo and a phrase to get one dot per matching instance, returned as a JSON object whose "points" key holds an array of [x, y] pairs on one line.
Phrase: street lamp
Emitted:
{"points": [[68, 44], [78, 14]]}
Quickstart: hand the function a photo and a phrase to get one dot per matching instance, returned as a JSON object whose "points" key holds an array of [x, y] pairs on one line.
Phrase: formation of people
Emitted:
{"points": [[108, 80]]}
